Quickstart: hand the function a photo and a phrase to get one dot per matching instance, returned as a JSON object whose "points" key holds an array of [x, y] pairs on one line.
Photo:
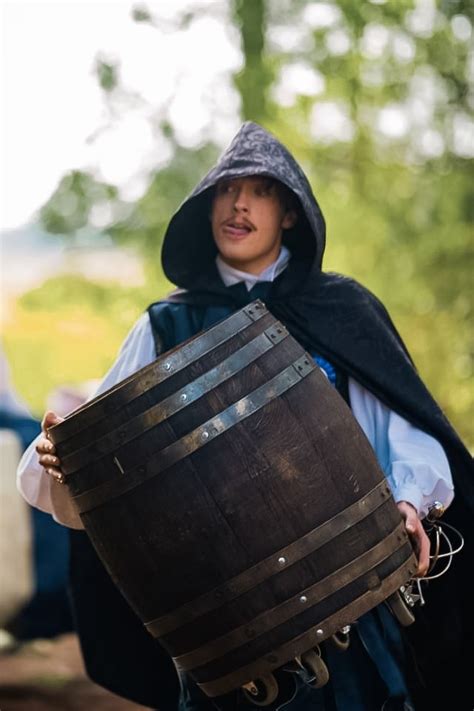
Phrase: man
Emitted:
{"points": [[253, 229]]}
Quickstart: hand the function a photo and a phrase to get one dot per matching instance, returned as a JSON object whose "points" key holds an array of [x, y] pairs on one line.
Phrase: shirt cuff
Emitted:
{"points": [[420, 485]]}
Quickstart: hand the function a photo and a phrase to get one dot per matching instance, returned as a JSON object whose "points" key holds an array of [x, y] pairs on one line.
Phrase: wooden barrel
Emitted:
{"points": [[235, 501]]}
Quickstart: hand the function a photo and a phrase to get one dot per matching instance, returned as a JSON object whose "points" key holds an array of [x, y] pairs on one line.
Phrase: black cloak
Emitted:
{"points": [[336, 317]]}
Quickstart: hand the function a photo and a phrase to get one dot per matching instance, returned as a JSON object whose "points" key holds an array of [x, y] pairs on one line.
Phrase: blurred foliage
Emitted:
{"points": [[68, 210], [146, 223], [398, 197], [69, 330], [143, 223], [141, 14], [107, 75]]}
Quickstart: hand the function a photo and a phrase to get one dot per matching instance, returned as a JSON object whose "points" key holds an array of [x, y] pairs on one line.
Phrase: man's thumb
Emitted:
{"points": [[50, 418]]}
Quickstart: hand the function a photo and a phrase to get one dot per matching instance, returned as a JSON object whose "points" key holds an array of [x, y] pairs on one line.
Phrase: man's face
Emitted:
{"points": [[247, 222]]}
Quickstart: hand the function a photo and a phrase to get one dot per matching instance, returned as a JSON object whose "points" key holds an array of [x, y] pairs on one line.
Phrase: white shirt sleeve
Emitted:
{"points": [[414, 462], [137, 350]]}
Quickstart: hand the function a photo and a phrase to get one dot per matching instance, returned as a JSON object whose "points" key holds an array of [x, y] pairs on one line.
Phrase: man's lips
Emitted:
{"points": [[237, 228]]}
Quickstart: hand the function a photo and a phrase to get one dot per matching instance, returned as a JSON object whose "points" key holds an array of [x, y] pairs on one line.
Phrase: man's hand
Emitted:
{"points": [[46, 450], [419, 539]]}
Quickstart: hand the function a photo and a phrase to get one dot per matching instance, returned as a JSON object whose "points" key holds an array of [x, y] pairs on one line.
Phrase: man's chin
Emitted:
{"points": [[236, 252]]}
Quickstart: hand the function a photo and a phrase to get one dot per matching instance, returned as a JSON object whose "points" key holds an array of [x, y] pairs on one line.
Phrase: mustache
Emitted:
{"points": [[240, 221]]}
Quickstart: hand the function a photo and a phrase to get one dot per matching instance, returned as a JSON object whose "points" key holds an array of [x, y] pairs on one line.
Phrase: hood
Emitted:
{"points": [[189, 250]]}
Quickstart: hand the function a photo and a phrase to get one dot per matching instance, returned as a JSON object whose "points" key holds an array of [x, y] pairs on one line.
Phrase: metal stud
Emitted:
{"points": [[303, 599], [436, 510], [205, 435], [281, 560], [184, 397], [319, 632], [167, 366]]}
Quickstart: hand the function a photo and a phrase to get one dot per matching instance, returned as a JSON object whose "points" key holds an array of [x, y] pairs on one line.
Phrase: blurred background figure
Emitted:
{"points": [[17, 429], [14, 413], [33, 547]]}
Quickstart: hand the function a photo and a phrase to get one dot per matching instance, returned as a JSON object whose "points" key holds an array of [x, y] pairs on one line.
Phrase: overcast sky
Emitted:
{"points": [[54, 117]]}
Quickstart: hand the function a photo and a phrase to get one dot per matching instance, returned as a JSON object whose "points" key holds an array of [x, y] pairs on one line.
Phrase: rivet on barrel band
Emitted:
{"points": [[276, 333], [255, 306]]}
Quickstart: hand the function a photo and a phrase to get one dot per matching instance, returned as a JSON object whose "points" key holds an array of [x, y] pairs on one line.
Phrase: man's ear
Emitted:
{"points": [[289, 220]]}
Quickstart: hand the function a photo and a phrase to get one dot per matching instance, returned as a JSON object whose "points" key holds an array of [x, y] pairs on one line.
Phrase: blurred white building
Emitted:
{"points": [[29, 256]]}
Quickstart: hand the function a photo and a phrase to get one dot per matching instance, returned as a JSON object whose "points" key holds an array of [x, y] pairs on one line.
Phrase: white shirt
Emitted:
{"points": [[414, 463]]}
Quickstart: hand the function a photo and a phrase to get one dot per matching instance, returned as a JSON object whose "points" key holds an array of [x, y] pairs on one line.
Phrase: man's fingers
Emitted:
{"points": [[424, 553], [54, 472], [421, 546], [44, 446], [49, 460], [46, 449], [50, 418], [419, 539]]}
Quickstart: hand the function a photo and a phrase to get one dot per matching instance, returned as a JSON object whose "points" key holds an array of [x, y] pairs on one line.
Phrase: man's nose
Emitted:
{"points": [[241, 203]]}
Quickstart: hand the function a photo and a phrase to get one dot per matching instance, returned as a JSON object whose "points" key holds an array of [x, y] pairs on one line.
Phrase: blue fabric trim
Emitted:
{"points": [[327, 367]]}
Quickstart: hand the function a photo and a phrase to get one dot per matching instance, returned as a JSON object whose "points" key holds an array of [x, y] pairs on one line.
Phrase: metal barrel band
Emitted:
{"points": [[182, 398], [199, 437], [312, 637], [161, 369], [273, 564], [310, 596]]}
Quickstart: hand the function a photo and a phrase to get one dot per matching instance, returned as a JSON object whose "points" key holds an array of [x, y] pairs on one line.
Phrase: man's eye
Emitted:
{"points": [[225, 188]]}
